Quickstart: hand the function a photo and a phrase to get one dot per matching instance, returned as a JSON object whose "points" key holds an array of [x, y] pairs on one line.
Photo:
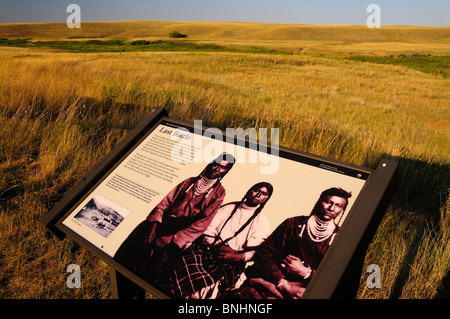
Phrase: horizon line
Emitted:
{"points": [[243, 22]]}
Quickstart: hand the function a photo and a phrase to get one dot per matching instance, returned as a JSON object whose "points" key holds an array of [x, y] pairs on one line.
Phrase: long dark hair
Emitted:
{"points": [[238, 204], [259, 185]]}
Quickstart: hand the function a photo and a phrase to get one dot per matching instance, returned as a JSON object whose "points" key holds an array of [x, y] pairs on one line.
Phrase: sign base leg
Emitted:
{"points": [[123, 288]]}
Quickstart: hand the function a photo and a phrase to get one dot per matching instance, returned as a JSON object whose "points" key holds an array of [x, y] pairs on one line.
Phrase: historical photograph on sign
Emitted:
{"points": [[101, 215], [208, 219]]}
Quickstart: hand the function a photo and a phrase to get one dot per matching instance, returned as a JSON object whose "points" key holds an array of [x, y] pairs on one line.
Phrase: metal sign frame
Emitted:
{"points": [[337, 275]]}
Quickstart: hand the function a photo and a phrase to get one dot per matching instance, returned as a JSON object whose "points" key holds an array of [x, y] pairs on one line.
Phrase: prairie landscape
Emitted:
{"points": [[68, 96]]}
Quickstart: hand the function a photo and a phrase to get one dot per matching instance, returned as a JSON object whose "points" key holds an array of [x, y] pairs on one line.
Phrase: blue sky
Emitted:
{"points": [[393, 12]]}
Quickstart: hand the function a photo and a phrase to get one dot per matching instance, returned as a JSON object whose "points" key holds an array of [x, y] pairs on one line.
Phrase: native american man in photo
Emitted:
{"points": [[182, 216], [213, 264], [288, 259]]}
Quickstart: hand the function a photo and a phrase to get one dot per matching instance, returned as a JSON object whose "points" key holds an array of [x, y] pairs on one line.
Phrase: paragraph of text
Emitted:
{"points": [[123, 184], [149, 167]]}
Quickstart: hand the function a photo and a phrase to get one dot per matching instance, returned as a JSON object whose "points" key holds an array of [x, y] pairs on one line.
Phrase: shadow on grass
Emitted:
{"points": [[443, 291], [423, 189], [403, 273]]}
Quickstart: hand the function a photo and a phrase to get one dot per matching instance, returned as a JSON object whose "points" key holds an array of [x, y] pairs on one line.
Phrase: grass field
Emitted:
{"points": [[67, 97]]}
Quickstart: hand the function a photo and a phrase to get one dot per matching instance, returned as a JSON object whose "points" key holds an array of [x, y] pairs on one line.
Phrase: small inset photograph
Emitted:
{"points": [[102, 215]]}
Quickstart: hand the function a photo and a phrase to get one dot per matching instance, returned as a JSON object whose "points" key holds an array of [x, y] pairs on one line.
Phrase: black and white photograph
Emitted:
{"points": [[101, 215], [221, 226]]}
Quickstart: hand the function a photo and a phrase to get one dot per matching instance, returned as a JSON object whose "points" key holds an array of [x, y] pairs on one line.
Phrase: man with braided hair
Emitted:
{"points": [[213, 263], [288, 259]]}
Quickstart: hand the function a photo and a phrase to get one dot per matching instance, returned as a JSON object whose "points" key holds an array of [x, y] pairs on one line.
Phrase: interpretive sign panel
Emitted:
{"points": [[191, 212]]}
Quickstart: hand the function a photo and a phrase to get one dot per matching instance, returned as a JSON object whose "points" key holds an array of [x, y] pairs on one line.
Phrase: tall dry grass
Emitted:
{"points": [[60, 113]]}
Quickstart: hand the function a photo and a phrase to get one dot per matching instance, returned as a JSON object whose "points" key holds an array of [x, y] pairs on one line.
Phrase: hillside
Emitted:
{"points": [[229, 31]]}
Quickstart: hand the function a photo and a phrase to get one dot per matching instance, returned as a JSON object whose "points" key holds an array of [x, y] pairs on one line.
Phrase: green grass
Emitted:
{"points": [[115, 45], [438, 65], [432, 64], [15, 42]]}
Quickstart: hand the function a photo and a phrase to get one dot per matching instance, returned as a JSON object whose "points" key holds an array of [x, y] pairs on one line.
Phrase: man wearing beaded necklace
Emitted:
{"points": [[288, 259], [182, 215]]}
